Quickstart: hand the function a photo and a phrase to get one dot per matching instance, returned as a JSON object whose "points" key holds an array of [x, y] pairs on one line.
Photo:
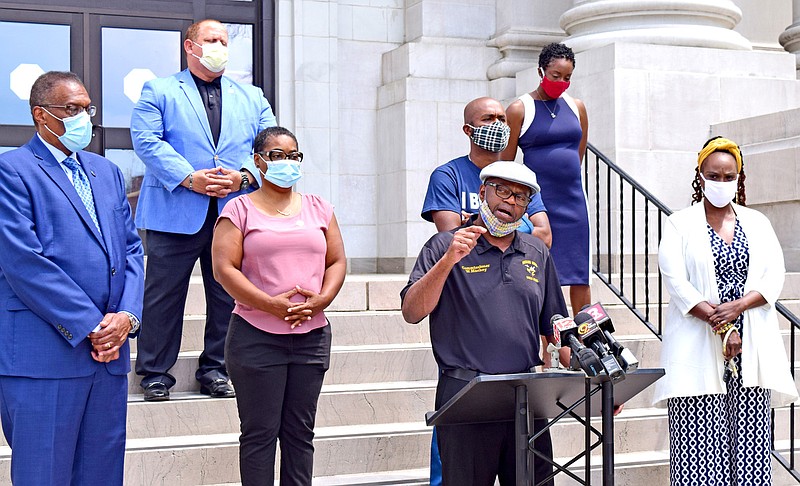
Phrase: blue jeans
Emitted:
{"points": [[436, 462]]}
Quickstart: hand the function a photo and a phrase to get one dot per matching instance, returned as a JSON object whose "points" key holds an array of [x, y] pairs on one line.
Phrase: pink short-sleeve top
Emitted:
{"points": [[279, 253]]}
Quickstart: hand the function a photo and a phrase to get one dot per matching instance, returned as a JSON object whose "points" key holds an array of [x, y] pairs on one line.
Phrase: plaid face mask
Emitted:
{"points": [[497, 228], [493, 137]]}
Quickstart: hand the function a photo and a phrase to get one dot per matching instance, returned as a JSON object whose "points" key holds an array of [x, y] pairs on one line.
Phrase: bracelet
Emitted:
{"points": [[723, 327], [725, 339], [191, 176]]}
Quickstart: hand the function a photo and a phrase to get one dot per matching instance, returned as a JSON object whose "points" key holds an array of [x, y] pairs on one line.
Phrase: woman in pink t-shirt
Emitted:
{"points": [[280, 255]]}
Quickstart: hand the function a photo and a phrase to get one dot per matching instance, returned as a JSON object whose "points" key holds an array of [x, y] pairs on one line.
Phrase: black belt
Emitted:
{"points": [[462, 374], [468, 375]]}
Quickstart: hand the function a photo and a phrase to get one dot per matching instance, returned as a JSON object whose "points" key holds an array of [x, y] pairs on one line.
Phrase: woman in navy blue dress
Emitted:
{"points": [[551, 128]]}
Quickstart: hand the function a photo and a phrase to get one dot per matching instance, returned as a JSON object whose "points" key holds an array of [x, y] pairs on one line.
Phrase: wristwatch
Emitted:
{"points": [[135, 324], [245, 181]]}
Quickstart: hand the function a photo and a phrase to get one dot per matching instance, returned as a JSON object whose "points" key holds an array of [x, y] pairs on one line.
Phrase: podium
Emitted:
{"points": [[553, 395]]}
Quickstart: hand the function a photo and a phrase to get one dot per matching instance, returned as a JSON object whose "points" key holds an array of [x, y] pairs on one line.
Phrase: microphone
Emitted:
{"points": [[593, 337], [566, 332], [624, 355]]}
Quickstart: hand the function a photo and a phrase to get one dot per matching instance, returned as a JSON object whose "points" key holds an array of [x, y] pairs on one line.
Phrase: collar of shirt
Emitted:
{"points": [[60, 157], [214, 83]]}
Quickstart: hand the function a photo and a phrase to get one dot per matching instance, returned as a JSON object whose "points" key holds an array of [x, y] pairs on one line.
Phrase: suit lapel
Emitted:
{"points": [[228, 109], [193, 95], [49, 164]]}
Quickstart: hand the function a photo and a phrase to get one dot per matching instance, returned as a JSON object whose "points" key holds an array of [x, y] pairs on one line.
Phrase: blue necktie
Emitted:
{"points": [[81, 183]]}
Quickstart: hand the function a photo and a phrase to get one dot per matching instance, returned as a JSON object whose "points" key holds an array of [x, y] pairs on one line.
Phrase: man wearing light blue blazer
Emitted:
{"points": [[71, 285], [194, 131]]}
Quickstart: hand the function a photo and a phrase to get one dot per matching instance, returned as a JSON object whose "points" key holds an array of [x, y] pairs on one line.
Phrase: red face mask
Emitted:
{"points": [[554, 89]]}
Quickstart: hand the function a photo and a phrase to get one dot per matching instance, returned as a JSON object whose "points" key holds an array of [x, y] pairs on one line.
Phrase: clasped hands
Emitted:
{"points": [[717, 315], [106, 342], [295, 313], [215, 182]]}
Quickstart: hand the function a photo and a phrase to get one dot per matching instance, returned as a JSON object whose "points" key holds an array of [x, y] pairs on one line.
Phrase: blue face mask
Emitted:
{"points": [[77, 131], [284, 174]]}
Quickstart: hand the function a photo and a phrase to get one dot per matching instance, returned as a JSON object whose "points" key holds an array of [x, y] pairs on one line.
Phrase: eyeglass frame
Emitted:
{"points": [[70, 109], [296, 155], [517, 195]]}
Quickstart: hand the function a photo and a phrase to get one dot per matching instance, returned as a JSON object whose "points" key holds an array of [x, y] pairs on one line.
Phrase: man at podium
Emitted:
{"points": [[490, 292]]}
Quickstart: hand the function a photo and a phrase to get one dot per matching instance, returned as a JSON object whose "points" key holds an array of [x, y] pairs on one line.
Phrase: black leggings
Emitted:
{"points": [[278, 378]]}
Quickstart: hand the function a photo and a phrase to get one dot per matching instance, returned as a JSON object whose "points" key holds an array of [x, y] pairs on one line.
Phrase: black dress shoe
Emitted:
{"points": [[156, 392], [218, 389]]}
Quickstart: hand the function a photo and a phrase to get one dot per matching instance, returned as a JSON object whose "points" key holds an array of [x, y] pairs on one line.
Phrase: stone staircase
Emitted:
{"points": [[370, 425]]}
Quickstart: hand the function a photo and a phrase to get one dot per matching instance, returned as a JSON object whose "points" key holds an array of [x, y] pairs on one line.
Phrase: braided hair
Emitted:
{"points": [[741, 197]]}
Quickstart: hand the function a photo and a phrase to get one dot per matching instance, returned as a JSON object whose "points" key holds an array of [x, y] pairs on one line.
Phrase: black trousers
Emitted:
{"points": [[476, 454], [170, 260], [278, 378]]}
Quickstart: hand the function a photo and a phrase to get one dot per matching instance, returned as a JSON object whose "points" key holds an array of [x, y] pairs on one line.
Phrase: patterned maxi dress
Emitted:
{"points": [[723, 440]]}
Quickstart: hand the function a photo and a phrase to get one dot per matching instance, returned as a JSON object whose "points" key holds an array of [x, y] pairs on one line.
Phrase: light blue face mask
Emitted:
{"points": [[283, 173], [77, 131]]}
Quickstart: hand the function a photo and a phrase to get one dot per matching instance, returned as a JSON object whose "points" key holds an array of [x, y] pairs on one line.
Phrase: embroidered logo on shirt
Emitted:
{"points": [[300, 223], [476, 268], [531, 267]]}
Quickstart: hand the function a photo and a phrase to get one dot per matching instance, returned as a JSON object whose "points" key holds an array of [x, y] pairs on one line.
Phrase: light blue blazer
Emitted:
{"points": [[172, 136], [58, 275]]}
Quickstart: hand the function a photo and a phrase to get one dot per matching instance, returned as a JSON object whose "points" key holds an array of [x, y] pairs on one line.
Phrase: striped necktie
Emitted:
{"points": [[81, 183]]}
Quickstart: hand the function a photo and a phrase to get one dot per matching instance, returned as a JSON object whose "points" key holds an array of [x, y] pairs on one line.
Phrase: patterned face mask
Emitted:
{"points": [[492, 137], [497, 228]]}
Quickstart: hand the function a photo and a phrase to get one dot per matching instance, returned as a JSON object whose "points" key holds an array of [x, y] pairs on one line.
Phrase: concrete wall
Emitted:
{"points": [[771, 148]]}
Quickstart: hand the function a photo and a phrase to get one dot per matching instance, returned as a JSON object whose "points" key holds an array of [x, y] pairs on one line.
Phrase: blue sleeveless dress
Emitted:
{"points": [[550, 149]]}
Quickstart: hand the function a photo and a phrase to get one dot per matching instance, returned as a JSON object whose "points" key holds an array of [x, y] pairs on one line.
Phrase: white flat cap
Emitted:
{"points": [[512, 172]]}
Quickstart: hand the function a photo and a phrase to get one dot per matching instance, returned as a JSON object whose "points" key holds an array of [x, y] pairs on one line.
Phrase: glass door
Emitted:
{"points": [[132, 51], [49, 44], [115, 48]]}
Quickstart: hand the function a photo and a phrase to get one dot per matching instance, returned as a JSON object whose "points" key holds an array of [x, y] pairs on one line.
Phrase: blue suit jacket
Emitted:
{"points": [[172, 136], [58, 275]]}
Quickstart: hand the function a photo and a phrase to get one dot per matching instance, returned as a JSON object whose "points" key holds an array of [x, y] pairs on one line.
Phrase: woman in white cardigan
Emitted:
{"points": [[722, 349]]}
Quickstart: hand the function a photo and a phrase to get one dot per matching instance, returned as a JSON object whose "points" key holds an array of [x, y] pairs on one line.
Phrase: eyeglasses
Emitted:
{"points": [[278, 154], [72, 110], [504, 192]]}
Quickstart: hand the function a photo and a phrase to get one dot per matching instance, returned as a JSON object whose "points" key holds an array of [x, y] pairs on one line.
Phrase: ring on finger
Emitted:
{"points": [[108, 345]]}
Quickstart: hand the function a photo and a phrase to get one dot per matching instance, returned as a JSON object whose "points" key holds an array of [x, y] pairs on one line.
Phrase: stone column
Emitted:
{"points": [[790, 38], [688, 23], [425, 84], [523, 27]]}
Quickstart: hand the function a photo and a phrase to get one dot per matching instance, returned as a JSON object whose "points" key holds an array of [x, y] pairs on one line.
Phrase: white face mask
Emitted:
{"points": [[215, 56], [720, 194]]}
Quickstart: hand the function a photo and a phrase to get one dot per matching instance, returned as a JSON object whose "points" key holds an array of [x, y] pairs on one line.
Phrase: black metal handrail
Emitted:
{"points": [[615, 258], [612, 185]]}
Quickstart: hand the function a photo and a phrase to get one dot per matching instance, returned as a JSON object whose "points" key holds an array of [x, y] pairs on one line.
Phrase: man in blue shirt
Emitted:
{"points": [[453, 188]]}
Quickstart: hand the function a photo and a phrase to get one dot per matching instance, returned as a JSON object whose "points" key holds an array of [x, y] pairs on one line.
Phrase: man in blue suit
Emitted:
{"points": [[194, 131], [71, 285]]}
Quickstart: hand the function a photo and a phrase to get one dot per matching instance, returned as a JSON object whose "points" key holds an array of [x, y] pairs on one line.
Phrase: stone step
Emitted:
{"points": [[348, 328], [190, 413], [349, 364], [650, 468], [213, 459], [343, 450], [379, 363]]}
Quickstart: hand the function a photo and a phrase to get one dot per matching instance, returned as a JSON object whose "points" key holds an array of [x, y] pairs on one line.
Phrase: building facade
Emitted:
{"points": [[375, 89]]}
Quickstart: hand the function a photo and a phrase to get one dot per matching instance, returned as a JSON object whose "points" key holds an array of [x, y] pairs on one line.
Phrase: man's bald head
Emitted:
{"points": [[479, 108]]}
